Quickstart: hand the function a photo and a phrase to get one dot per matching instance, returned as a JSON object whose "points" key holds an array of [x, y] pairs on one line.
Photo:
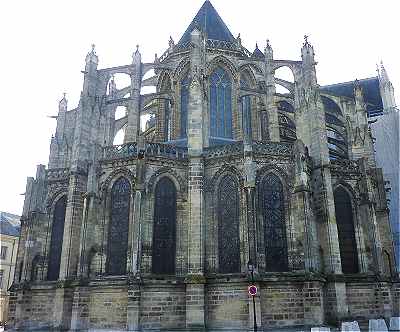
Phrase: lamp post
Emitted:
{"points": [[250, 268]]}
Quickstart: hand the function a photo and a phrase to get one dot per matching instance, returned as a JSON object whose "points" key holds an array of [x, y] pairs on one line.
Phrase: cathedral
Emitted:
{"points": [[220, 181]]}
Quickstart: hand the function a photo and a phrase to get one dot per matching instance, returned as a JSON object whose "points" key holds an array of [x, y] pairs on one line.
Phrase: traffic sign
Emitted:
{"points": [[252, 289]]}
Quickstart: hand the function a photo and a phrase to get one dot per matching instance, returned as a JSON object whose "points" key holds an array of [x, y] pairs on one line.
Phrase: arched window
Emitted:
{"points": [[273, 212], [220, 104], [164, 228], [57, 233], [184, 104], [118, 228], [246, 112], [346, 234], [228, 225]]}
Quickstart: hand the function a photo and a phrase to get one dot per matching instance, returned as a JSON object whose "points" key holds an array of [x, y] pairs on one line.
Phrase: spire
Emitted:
{"points": [[210, 23], [307, 52], [62, 105], [383, 74], [92, 57], [257, 53], [386, 89], [136, 57], [268, 51]]}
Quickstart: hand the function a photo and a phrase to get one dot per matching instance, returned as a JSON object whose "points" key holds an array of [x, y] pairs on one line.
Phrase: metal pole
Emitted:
{"points": [[254, 304]]}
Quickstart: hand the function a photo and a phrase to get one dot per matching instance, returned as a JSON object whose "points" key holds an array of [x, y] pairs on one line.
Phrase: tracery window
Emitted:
{"points": [[57, 233], [118, 227], [273, 213], [164, 228], [184, 104], [220, 104], [228, 225], [246, 111], [346, 233]]}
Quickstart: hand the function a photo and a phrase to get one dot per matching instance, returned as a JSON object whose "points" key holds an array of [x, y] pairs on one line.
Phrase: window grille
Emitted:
{"points": [[273, 212], [164, 228], [57, 233], [228, 225], [118, 227]]}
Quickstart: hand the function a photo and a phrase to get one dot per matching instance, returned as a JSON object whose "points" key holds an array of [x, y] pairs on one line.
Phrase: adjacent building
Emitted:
{"points": [[229, 177], [9, 236]]}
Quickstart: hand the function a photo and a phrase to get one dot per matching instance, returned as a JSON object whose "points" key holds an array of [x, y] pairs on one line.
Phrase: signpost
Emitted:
{"points": [[252, 289]]}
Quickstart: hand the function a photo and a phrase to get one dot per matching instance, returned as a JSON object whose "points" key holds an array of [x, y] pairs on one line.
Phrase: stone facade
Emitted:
{"points": [[157, 233]]}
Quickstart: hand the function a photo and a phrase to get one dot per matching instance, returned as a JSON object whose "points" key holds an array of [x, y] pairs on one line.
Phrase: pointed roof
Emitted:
{"points": [[258, 53], [208, 21]]}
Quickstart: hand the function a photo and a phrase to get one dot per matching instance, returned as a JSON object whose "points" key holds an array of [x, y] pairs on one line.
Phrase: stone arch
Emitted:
{"points": [[164, 83], [172, 175], [280, 64], [212, 184], [114, 175], [248, 74], [226, 64], [181, 69], [36, 265], [284, 177]]}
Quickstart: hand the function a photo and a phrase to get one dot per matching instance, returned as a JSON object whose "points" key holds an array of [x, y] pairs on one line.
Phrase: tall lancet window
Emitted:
{"points": [[273, 211], [220, 104], [246, 112], [57, 233], [118, 227], [228, 225], [164, 229], [346, 234], [184, 105]]}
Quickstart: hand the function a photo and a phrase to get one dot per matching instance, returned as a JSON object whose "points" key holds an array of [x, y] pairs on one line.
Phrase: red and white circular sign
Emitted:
{"points": [[252, 289]]}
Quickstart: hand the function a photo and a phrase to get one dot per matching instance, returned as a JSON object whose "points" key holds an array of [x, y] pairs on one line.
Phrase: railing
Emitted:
{"points": [[273, 148], [165, 150], [224, 150], [344, 165], [127, 150], [57, 174]]}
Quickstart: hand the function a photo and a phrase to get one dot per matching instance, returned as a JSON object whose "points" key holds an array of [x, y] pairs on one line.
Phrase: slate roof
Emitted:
{"points": [[9, 224], [257, 53], [370, 86], [208, 20]]}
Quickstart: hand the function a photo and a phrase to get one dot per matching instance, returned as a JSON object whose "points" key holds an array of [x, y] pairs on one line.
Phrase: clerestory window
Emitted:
{"points": [[220, 104]]}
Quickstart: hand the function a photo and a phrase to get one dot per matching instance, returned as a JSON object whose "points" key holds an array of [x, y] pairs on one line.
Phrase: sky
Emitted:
{"points": [[44, 44]]}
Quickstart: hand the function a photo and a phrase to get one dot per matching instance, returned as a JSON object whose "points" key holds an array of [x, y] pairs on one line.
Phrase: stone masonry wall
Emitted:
{"points": [[281, 304], [227, 305], [108, 307], [162, 306]]}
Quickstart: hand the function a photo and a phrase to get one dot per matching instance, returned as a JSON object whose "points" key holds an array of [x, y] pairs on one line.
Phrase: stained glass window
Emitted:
{"points": [[118, 227], [164, 228], [273, 212], [220, 104], [228, 225], [246, 111], [57, 233], [346, 234], [184, 104]]}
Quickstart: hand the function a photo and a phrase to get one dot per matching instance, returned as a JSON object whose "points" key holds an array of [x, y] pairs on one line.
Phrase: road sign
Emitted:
{"points": [[252, 289]]}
